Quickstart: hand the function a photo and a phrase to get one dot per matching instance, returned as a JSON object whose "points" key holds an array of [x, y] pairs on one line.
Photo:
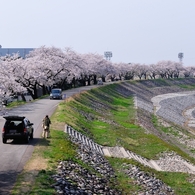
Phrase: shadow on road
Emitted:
{"points": [[33, 142], [8, 178], [6, 182]]}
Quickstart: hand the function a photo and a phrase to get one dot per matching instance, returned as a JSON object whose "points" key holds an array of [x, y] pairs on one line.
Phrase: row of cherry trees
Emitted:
{"points": [[46, 67]]}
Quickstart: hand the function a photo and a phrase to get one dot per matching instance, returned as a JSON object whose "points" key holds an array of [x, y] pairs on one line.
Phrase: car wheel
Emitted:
{"points": [[4, 140]]}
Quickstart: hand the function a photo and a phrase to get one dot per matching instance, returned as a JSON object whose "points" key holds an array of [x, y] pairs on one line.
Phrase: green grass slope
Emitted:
{"points": [[108, 116]]}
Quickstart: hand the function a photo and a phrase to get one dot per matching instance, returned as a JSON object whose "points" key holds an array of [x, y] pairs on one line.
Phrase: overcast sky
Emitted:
{"points": [[135, 31]]}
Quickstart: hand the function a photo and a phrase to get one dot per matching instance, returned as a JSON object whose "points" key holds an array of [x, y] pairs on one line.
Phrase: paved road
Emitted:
{"points": [[13, 156]]}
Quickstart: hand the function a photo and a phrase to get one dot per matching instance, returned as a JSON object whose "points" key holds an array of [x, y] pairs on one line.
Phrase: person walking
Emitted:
{"points": [[46, 125]]}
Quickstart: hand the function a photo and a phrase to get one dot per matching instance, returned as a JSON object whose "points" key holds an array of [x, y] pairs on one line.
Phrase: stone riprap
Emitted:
{"points": [[166, 102], [71, 178], [172, 108], [149, 183], [177, 107]]}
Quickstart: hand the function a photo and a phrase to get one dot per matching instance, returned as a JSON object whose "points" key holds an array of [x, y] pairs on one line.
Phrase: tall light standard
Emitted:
{"points": [[180, 56], [107, 55]]}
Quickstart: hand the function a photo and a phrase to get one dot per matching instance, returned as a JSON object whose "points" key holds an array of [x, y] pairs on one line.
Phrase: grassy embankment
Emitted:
{"points": [[109, 119]]}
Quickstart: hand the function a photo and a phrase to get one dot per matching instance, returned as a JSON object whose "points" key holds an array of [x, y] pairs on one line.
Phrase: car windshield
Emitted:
{"points": [[55, 91]]}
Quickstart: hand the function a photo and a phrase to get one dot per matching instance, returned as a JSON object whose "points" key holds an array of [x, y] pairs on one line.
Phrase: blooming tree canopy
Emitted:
{"points": [[46, 67]]}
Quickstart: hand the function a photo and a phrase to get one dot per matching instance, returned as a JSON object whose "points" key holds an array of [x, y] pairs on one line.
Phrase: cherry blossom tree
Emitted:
{"points": [[95, 66], [188, 71], [46, 67], [161, 69], [124, 70], [8, 80], [141, 71], [152, 71], [178, 69]]}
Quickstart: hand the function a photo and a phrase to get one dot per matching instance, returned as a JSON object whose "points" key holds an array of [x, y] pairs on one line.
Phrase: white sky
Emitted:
{"points": [[136, 31]]}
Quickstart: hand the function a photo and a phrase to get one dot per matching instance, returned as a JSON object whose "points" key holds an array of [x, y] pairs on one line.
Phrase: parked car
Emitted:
{"points": [[100, 82], [56, 93], [7, 100], [17, 127]]}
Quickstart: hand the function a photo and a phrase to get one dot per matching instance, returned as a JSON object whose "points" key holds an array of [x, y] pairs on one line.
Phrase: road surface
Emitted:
{"points": [[13, 156]]}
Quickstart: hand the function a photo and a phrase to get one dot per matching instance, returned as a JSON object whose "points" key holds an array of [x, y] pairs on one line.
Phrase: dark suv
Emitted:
{"points": [[17, 127], [56, 93]]}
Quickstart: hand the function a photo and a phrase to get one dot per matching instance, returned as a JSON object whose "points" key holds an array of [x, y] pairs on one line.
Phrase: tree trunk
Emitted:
{"points": [[23, 97]]}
